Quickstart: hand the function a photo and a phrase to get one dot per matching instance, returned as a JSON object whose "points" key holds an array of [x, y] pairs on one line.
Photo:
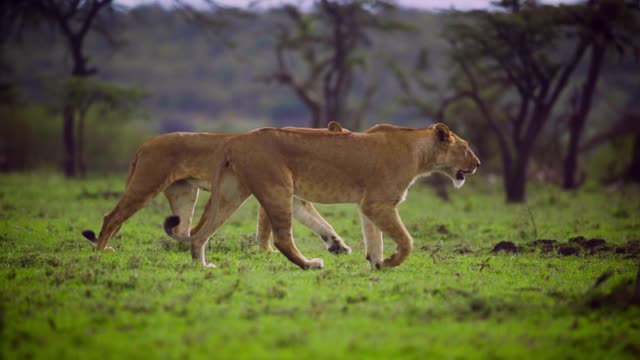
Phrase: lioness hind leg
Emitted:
{"points": [[386, 218], [263, 231], [306, 213], [229, 196], [273, 187], [182, 198], [279, 212], [372, 241], [142, 186], [112, 221]]}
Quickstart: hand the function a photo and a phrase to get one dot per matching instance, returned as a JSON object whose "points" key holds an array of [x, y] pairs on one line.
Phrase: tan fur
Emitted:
{"points": [[180, 164], [305, 213], [372, 169]]}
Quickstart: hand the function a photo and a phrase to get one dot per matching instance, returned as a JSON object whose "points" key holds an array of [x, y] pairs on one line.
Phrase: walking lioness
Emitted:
{"points": [[181, 164], [372, 169]]}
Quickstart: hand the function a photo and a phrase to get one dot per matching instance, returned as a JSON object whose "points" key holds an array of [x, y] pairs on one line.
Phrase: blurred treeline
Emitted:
{"points": [[214, 71], [194, 80]]}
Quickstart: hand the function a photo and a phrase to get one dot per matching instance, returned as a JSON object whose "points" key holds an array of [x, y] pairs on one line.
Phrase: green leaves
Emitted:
{"points": [[115, 101]]}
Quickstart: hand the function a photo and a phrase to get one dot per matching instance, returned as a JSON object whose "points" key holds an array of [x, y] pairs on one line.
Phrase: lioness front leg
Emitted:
{"points": [[372, 241], [263, 231], [386, 218]]}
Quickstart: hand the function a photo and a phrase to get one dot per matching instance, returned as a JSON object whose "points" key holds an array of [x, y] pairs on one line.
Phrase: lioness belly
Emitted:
{"points": [[327, 191]]}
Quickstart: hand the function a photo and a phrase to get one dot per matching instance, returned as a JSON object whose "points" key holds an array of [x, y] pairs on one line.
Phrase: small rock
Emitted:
{"points": [[442, 229], [463, 250]]}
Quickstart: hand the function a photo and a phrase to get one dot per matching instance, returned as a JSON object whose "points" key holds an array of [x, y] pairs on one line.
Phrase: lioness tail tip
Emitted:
{"points": [[169, 223], [90, 235]]}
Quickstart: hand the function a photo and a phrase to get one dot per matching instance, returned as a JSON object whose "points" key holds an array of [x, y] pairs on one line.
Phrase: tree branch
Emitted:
{"points": [[93, 12], [475, 95]]}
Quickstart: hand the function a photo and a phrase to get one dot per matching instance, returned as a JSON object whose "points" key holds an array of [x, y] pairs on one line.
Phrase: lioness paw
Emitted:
{"points": [[375, 265], [335, 244], [337, 248], [315, 264], [108, 248]]}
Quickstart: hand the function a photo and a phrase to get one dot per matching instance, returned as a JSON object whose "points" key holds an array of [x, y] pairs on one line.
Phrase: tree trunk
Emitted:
{"points": [[516, 180], [515, 186], [579, 118], [316, 116], [68, 141], [633, 172], [571, 160], [82, 169]]}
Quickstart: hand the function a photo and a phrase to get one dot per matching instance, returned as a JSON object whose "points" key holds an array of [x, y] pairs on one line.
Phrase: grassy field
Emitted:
{"points": [[453, 297]]}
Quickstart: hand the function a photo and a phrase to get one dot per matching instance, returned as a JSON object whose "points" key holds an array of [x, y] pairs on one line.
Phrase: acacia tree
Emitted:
{"points": [[319, 53], [598, 25], [85, 95], [602, 24], [507, 64], [74, 19]]}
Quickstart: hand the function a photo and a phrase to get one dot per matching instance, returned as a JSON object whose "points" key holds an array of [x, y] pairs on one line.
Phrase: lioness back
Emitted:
{"points": [[326, 167]]}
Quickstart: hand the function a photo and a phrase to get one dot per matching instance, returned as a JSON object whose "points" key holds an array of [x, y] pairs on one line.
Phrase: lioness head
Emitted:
{"points": [[453, 157]]}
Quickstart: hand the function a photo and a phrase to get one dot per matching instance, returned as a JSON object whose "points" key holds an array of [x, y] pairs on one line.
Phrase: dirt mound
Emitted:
{"points": [[568, 250], [631, 248], [575, 246], [592, 245], [545, 245], [506, 246]]}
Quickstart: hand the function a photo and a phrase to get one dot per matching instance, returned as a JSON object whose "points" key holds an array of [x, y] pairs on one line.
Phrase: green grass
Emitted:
{"points": [[453, 297]]}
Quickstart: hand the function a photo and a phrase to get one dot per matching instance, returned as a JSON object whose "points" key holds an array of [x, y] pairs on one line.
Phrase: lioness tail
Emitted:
{"points": [[169, 223], [90, 235]]}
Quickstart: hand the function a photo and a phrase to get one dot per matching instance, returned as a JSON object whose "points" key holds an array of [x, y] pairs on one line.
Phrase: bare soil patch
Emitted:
{"points": [[578, 245]]}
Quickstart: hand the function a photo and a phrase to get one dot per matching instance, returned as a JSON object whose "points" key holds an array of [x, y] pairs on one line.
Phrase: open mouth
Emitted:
{"points": [[460, 174]]}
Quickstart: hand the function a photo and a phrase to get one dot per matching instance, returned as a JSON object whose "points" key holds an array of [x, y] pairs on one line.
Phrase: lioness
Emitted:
{"points": [[180, 164], [372, 169]]}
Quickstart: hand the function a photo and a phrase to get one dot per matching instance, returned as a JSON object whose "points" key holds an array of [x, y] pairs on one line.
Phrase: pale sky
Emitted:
{"points": [[423, 4]]}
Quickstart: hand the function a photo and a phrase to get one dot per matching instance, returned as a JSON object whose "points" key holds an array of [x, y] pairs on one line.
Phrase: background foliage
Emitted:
{"points": [[211, 79]]}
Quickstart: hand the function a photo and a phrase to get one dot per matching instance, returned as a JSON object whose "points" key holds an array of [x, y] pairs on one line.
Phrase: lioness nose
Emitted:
{"points": [[477, 163]]}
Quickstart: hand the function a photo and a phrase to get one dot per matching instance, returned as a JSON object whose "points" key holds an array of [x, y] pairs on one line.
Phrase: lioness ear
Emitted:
{"points": [[442, 132], [334, 126]]}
